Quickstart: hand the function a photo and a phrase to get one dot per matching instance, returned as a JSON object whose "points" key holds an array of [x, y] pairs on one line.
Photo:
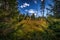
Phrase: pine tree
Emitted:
{"points": [[9, 17], [57, 9], [42, 7], [33, 16]]}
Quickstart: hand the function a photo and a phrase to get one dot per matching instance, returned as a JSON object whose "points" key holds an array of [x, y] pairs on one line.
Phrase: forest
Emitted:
{"points": [[17, 26]]}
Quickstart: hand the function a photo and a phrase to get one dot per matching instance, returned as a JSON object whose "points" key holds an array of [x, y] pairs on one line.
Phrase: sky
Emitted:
{"points": [[32, 6]]}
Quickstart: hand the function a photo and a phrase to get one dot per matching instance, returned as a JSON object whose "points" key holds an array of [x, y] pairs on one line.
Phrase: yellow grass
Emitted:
{"points": [[30, 25]]}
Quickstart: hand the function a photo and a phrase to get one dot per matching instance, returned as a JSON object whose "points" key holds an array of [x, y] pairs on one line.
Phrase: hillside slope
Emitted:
{"points": [[30, 25]]}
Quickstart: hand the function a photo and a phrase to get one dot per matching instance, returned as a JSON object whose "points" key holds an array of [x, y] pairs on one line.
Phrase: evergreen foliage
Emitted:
{"points": [[15, 26]]}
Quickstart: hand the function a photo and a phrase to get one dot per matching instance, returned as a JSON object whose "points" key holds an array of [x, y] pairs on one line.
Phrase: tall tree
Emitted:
{"points": [[42, 7], [8, 17], [55, 9], [9, 9], [33, 16]]}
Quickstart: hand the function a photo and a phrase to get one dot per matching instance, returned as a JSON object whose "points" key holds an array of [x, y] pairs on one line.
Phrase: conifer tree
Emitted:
{"points": [[57, 8], [42, 7], [9, 17], [33, 16]]}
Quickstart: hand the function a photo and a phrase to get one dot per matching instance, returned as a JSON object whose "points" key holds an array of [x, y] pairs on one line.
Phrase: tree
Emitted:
{"points": [[55, 9], [42, 7], [33, 16], [8, 18]]}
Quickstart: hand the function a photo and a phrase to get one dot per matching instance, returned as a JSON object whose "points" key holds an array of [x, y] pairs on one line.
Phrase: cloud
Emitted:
{"points": [[35, 2], [42, 0], [35, 14], [25, 5], [31, 11]]}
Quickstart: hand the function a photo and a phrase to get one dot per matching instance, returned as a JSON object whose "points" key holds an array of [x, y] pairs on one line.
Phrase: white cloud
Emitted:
{"points": [[31, 11], [21, 6], [25, 5], [42, 0], [35, 2], [35, 14]]}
